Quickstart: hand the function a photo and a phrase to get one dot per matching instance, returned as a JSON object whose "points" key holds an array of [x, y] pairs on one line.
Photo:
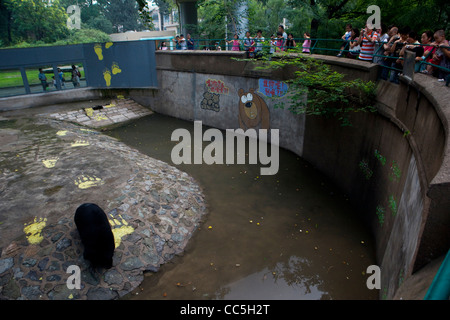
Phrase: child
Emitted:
{"points": [[280, 42], [290, 42], [236, 43], [345, 37], [307, 43], [354, 48]]}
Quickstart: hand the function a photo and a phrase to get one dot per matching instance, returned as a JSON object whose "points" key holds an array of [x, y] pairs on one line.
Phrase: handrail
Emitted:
{"points": [[314, 41]]}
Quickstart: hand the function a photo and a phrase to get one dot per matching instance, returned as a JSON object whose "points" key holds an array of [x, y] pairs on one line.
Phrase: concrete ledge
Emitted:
{"points": [[49, 98], [62, 96]]}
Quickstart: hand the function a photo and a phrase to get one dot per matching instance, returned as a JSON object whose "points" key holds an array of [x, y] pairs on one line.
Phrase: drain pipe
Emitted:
{"points": [[440, 287]]}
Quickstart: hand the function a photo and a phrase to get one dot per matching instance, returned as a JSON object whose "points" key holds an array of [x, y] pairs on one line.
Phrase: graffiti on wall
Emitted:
{"points": [[272, 88], [211, 97], [210, 101], [253, 110], [216, 86]]}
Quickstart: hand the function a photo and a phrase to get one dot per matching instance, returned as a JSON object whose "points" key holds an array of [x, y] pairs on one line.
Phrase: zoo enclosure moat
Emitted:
{"points": [[288, 236]]}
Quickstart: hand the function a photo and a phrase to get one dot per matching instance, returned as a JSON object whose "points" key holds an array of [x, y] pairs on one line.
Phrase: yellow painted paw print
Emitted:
{"points": [[100, 117], [87, 130], [89, 111], [50, 162], [61, 133], [98, 50], [120, 228], [115, 68], [107, 77], [108, 45], [33, 230], [85, 182], [80, 143]]}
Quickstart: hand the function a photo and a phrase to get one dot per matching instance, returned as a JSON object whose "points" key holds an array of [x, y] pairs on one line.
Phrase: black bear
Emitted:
{"points": [[96, 235]]}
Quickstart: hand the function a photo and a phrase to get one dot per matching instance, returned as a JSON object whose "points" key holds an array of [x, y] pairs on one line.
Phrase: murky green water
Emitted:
{"points": [[288, 236]]}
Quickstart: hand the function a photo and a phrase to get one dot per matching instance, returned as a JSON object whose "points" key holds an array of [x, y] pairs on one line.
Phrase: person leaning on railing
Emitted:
{"points": [[411, 45], [441, 56], [354, 47], [426, 39]]}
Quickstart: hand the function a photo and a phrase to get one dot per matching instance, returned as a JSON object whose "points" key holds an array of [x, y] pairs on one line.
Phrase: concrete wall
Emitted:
{"points": [[393, 164]]}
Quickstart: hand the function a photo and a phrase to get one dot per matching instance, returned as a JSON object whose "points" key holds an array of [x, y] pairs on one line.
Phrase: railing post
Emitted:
{"points": [[25, 80]]}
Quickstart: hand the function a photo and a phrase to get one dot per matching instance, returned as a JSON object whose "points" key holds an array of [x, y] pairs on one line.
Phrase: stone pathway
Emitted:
{"points": [[119, 110], [47, 169]]}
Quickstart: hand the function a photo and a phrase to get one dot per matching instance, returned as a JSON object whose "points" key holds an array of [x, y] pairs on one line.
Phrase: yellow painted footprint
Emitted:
{"points": [[107, 77], [120, 228], [33, 230], [85, 182], [108, 45], [115, 68], [98, 51], [50, 162], [80, 143]]}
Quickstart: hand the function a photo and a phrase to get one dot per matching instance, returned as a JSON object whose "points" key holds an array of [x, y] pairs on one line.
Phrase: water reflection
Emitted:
{"points": [[291, 280]]}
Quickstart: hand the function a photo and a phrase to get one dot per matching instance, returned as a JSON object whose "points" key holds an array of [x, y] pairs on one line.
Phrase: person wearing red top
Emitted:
{"points": [[426, 40], [367, 41]]}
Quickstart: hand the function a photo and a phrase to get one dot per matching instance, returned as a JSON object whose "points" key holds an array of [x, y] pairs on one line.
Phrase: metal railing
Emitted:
{"points": [[326, 47]]}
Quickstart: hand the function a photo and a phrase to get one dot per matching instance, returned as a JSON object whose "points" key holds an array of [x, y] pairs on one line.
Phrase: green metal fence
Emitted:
{"points": [[318, 46]]}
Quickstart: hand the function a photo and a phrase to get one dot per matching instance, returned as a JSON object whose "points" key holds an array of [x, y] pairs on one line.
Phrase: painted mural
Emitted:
{"points": [[211, 97], [272, 88], [210, 101], [253, 110]]}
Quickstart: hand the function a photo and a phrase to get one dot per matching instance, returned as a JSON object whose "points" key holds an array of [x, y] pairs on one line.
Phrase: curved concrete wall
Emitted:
{"points": [[394, 164]]}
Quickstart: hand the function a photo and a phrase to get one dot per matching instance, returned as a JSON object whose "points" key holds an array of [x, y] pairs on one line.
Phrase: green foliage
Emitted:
{"points": [[393, 205], [317, 90], [35, 20], [380, 214]]}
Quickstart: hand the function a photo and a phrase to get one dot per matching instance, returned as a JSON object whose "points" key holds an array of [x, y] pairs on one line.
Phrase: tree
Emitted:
{"points": [[123, 14], [35, 20]]}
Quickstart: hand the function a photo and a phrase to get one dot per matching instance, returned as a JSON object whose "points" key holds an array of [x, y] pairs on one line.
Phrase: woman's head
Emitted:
{"points": [[235, 36], [427, 37]]}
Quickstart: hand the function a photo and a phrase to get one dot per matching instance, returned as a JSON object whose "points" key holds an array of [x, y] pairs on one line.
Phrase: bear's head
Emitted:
{"points": [[253, 110], [248, 102]]}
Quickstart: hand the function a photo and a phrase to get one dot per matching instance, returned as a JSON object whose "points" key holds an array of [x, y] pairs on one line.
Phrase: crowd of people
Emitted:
{"points": [[385, 46], [280, 41]]}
